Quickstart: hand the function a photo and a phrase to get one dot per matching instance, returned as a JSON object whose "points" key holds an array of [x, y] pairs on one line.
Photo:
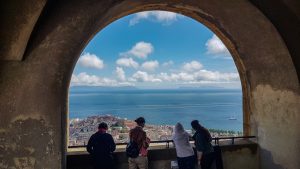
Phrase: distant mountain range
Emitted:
{"points": [[128, 88], [101, 88]]}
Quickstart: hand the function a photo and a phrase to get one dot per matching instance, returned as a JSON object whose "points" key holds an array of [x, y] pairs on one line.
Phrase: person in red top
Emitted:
{"points": [[139, 136]]}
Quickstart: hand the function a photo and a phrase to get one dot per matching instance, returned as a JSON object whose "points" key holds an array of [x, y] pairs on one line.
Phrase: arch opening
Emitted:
{"points": [[85, 55], [35, 96]]}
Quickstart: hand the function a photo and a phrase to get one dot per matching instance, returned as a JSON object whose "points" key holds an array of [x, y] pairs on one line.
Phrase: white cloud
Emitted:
{"points": [[192, 66], [127, 62], [141, 76], [190, 74], [168, 63], [150, 65], [84, 79], [206, 75], [177, 77], [215, 46], [199, 76], [140, 50], [120, 74], [186, 76], [158, 16], [91, 61], [203, 76]]}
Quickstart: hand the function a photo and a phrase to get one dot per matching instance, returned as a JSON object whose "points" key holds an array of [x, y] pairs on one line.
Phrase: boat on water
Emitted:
{"points": [[232, 118]]}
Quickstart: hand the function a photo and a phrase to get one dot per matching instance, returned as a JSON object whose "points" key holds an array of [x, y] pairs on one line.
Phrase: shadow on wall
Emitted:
{"points": [[267, 161]]}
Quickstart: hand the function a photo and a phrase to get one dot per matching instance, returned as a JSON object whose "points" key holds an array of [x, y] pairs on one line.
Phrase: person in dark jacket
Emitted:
{"points": [[101, 145], [205, 151]]}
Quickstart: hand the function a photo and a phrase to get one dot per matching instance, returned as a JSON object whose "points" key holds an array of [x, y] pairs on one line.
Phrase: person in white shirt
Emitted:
{"points": [[184, 151]]}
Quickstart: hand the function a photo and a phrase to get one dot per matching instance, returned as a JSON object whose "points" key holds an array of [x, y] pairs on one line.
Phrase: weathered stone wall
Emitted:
{"points": [[276, 123], [30, 117], [240, 156], [18, 19], [234, 157], [159, 158], [285, 16], [34, 87]]}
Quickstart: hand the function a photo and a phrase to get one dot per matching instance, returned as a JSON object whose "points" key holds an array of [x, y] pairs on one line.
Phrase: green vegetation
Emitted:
{"points": [[227, 132]]}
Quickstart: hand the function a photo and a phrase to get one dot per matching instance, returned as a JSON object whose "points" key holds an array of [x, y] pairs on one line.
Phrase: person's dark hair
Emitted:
{"points": [[140, 120], [103, 126], [198, 127], [195, 125]]}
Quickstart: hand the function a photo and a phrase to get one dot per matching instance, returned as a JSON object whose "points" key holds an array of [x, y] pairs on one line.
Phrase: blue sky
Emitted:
{"points": [[156, 49]]}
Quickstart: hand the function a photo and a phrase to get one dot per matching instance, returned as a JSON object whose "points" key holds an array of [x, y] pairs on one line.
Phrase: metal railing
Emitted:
{"points": [[216, 141]]}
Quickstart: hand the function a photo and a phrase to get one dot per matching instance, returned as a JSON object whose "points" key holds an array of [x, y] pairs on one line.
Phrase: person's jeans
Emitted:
{"points": [[186, 162], [140, 161]]}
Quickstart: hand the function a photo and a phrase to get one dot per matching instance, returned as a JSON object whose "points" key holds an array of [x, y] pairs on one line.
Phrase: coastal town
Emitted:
{"points": [[80, 130]]}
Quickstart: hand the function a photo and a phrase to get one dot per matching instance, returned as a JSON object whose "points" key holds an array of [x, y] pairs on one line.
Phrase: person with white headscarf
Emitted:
{"points": [[184, 151]]}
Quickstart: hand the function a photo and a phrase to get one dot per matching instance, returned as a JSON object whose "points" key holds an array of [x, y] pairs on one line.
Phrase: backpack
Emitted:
{"points": [[132, 149]]}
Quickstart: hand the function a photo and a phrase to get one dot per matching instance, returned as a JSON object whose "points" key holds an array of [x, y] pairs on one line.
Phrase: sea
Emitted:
{"points": [[214, 108]]}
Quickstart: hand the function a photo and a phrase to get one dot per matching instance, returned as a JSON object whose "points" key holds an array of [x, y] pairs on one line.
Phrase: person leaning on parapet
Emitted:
{"points": [[184, 151], [138, 135], [205, 151], [101, 145]]}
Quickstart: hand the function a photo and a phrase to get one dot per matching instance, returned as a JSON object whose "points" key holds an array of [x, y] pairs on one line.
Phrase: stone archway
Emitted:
{"points": [[39, 96]]}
